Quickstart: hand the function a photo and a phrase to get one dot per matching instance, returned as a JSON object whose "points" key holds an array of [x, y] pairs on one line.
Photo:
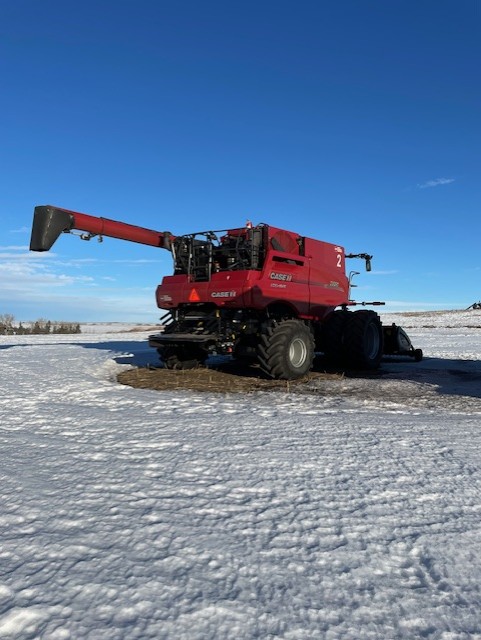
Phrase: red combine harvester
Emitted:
{"points": [[258, 293]]}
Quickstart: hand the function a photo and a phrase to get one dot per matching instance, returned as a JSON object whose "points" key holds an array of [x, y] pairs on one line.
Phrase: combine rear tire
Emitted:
{"points": [[286, 350], [182, 357], [363, 340]]}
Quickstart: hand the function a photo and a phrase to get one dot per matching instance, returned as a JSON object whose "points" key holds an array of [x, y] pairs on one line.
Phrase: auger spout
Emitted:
{"points": [[49, 222]]}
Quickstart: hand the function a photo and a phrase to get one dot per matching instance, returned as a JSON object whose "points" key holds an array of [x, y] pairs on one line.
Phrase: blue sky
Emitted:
{"points": [[353, 122]]}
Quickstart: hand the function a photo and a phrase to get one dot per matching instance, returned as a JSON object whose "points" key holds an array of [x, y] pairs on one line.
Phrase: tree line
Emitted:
{"points": [[9, 326]]}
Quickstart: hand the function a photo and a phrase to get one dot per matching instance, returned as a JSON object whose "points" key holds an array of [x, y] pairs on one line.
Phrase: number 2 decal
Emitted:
{"points": [[339, 260]]}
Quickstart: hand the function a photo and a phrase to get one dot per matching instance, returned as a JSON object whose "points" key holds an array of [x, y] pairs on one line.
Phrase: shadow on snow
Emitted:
{"points": [[451, 377]]}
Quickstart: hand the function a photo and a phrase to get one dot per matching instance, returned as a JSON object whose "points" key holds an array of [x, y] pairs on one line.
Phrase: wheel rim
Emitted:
{"points": [[372, 341], [297, 352]]}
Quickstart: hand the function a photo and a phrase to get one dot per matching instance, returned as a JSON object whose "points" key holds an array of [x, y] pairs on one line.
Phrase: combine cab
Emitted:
{"points": [[259, 293]]}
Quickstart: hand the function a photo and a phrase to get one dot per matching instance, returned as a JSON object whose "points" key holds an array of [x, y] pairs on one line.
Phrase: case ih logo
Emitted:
{"points": [[285, 277], [338, 249], [223, 294]]}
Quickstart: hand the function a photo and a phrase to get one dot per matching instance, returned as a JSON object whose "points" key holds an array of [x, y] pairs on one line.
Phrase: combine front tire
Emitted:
{"points": [[363, 340], [286, 350], [332, 337]]}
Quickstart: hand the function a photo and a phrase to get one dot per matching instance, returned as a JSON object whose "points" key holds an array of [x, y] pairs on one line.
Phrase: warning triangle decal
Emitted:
{"points": [[194, 296]]}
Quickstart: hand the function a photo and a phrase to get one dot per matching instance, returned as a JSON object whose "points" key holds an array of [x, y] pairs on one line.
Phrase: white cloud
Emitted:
{"points": [[5, 254], [41, 284], [23, 277], [435, 183], [21, 230]]}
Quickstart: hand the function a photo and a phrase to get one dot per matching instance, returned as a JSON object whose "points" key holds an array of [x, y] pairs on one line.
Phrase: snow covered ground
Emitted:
{"points": [[349, 512]]}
